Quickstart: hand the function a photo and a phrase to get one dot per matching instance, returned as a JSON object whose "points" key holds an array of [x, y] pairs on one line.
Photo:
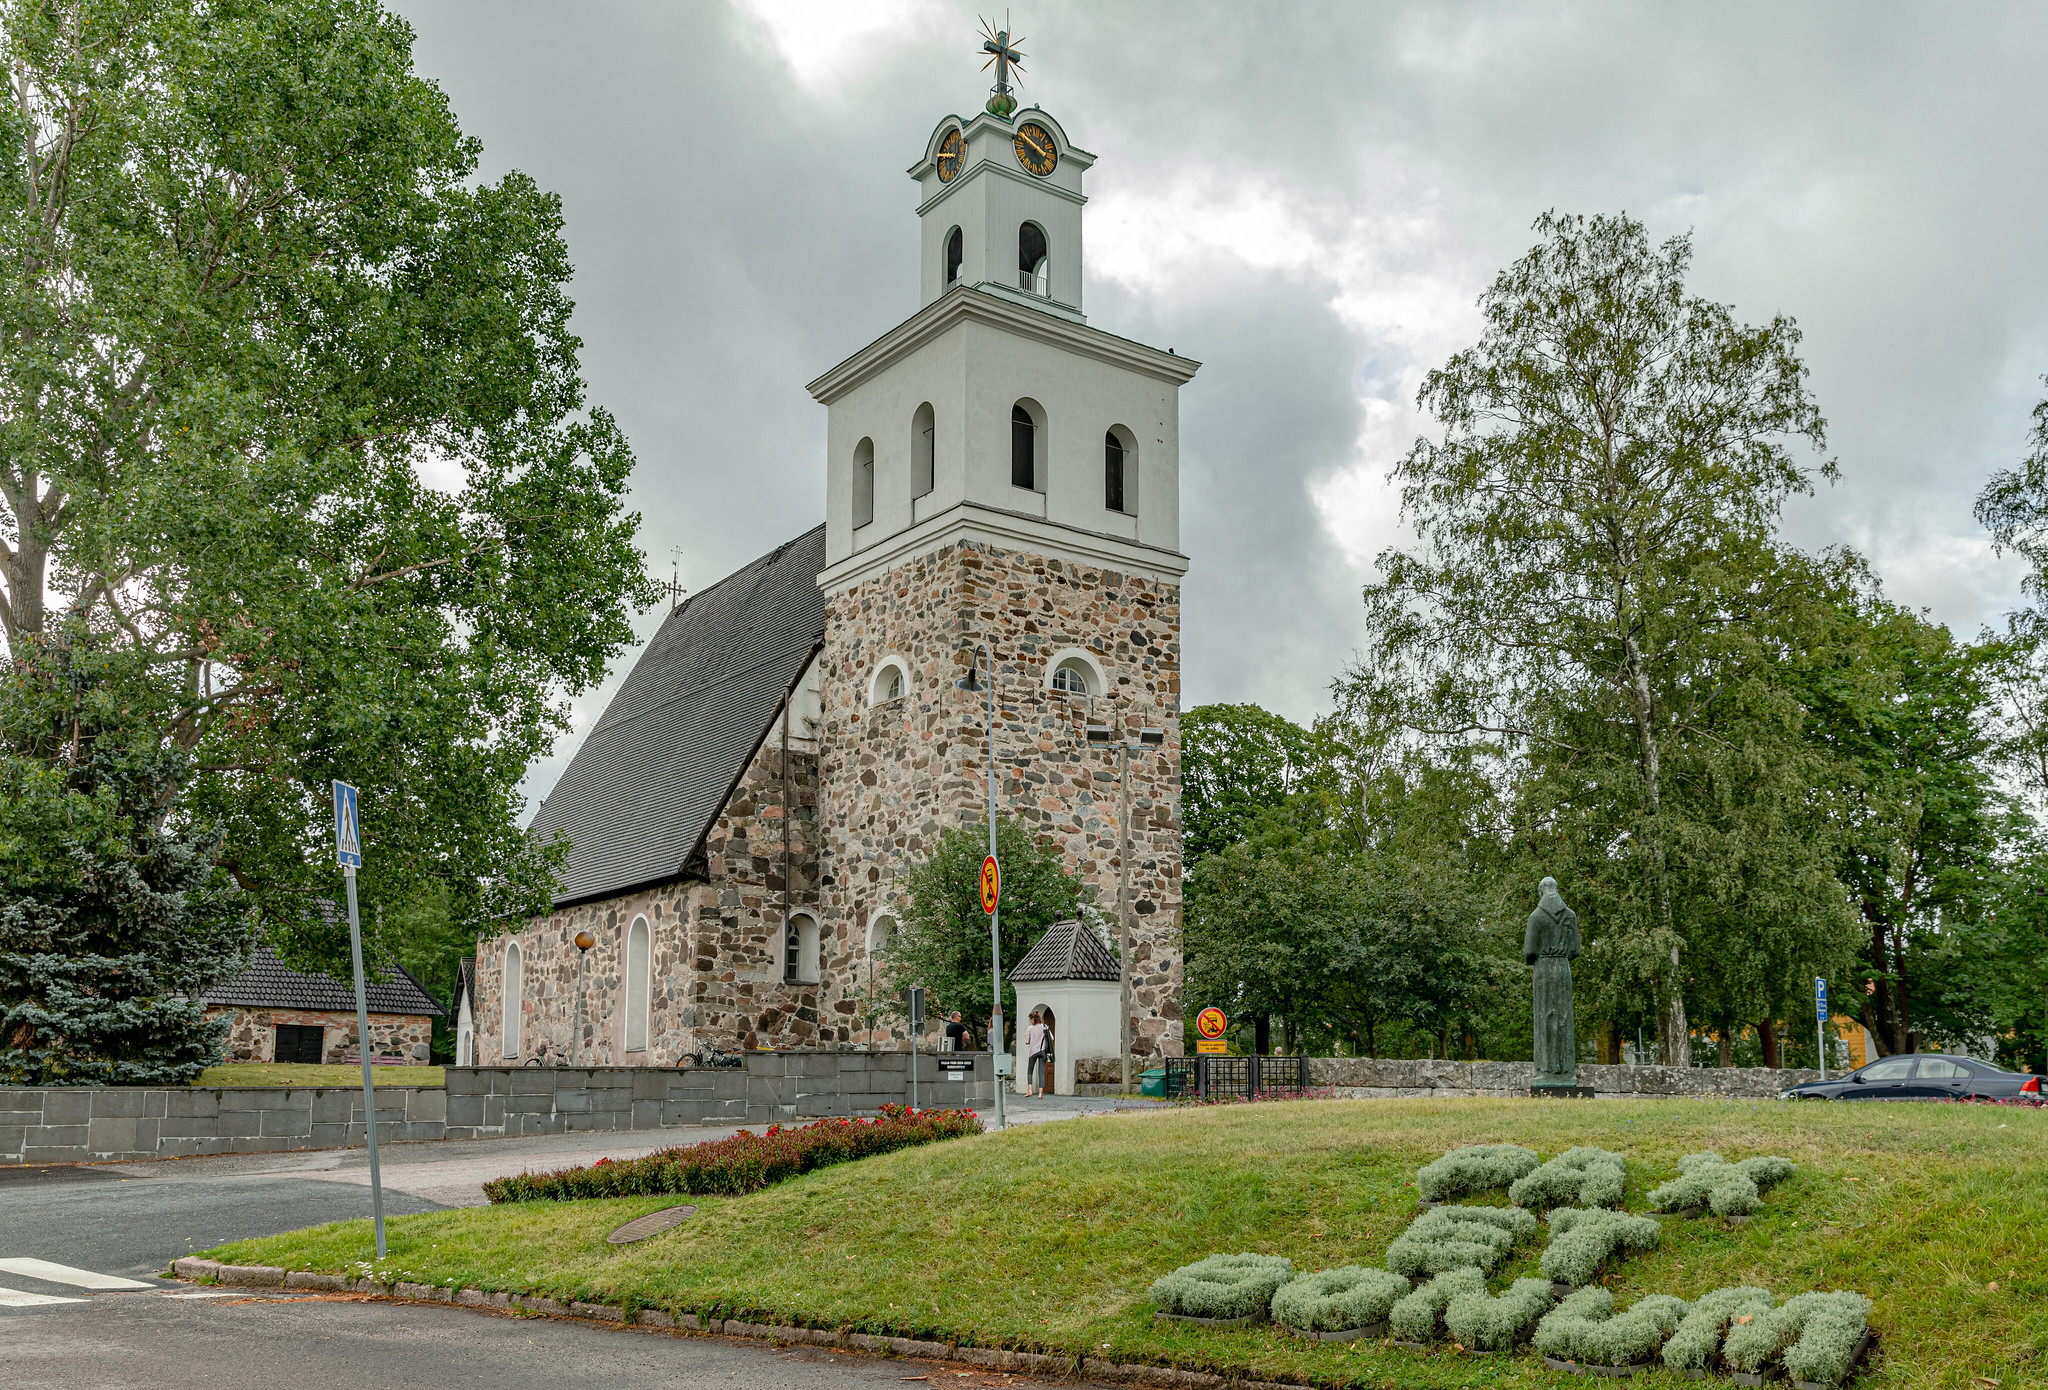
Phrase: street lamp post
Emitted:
{"points": [[584, 941], [995, 934], [1149, 737]]}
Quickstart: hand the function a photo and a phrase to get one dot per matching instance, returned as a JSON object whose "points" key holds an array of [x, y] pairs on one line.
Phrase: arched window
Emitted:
{"points": [[956, 251], [1034, 264], [515, 985], [1119, 470], [881, 929], [864, 482], [638, 968], [891, 681], [1073, 671], [800, 950], [1024, 447], [923, 454]]}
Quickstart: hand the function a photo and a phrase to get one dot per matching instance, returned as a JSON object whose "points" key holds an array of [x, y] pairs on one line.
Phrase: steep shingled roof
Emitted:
{"points": [[1067, 951], [269, 983], [658, 767]]}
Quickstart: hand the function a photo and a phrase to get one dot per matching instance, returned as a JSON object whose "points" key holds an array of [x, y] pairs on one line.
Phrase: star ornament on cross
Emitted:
{"points": [[1004, 55]]}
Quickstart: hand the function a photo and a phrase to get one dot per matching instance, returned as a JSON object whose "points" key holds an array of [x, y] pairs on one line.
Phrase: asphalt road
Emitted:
{"points": [[81, 1303]]}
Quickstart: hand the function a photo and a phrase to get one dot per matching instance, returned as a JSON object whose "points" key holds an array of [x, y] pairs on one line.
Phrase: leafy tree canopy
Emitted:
{"points": [[1237, 761], [292, 428]]}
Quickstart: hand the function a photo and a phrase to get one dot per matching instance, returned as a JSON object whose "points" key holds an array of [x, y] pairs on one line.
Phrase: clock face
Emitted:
{"points": [[949, 155], [1036, 150]]}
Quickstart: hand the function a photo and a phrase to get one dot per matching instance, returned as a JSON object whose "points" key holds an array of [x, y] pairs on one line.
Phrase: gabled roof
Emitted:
{"points": [[650, 779], [1067, 951], [269, 983]]}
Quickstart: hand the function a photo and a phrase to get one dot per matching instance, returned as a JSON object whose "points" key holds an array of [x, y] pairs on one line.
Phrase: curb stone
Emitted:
{"points": [[195, 1268]]}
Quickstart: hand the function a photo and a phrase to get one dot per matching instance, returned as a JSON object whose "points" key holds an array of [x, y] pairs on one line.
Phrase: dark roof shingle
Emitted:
{"points": [[1067, 951], [656, 769], [269, 983]]}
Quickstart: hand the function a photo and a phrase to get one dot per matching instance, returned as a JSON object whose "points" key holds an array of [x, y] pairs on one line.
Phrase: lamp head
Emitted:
{"points": [[584, 941], [1152, 736], [1101, 733]]}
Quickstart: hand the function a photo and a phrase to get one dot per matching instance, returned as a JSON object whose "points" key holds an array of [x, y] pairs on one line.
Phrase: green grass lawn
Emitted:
{"points": [[1047, 1236], [314, 1074]]}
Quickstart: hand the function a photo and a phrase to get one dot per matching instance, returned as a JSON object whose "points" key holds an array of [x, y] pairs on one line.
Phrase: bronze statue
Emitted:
{"points": [[1552, 943]]}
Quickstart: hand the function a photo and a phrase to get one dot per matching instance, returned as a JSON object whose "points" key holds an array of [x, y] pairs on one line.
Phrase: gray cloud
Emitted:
{"points": [[1309, 200]]}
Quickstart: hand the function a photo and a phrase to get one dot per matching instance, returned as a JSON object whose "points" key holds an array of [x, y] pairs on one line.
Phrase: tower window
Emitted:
{"points": [[956, 251], [922, 451], [1071, 677], [864, 482], [1023, 448], [891, 681], [1112, 472], [800, 950], [1034, 264]]}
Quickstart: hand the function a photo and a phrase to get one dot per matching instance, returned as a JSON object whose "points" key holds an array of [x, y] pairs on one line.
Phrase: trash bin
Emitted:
{"points": [[1154, 1083]]}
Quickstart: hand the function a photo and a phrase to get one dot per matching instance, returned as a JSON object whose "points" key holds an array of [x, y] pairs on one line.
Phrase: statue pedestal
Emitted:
{"points": [[1562, 1092]]}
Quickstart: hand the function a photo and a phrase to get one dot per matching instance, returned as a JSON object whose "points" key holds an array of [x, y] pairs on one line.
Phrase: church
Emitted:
{"points": [[1000, 493]]}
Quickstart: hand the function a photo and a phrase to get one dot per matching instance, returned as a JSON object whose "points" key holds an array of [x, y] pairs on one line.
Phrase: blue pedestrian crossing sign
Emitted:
{"points": [[1820, 999], [348, 841]]}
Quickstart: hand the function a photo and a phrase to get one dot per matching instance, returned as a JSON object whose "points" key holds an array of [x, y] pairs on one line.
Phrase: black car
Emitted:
{"points": [[1920, 1076]]}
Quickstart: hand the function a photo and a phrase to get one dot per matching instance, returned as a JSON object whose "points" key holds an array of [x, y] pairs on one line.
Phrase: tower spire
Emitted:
{"points": [[1003, 54]]}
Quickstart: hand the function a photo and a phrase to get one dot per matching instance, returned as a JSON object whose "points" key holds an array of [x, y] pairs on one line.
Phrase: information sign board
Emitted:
{"points": [[1214, 1047]]}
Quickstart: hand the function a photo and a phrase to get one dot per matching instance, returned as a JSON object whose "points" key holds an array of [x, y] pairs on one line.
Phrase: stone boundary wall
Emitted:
{"points": [[91, 1124], [1375, 1078]]}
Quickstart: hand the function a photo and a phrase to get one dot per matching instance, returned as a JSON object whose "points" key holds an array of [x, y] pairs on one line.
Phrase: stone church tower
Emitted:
{"points": [[999, 477]]}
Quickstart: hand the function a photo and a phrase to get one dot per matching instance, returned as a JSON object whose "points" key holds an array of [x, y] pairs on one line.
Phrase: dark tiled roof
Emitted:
{"points": [[657, 768], [1067, 951], [269, 983]]}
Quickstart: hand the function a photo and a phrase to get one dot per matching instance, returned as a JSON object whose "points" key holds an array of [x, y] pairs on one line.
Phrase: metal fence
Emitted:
{"points": [[1210, 1077]]}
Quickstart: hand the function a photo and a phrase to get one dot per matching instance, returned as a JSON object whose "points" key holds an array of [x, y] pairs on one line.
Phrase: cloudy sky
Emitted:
{"points": [[1308, 199]]}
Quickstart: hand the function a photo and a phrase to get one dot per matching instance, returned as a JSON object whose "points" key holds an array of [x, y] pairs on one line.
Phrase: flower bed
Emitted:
{"points": [[1338, 1300], [1475, 1168], [1697, 1341], [1223, 1288], [1816, 1334], [1581, 1177], [1445, 1238], [1484, 1323], [1420, 1315], [1586, 1328], [1582, 1240], [746, 1162], [1724, 1188]]}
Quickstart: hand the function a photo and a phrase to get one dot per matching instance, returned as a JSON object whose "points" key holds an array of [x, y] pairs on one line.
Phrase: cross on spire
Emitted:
{"points": [[1003, 53]]}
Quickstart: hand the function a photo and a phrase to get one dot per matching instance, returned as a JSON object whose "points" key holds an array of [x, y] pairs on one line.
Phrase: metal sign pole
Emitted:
{"points": [[995, 931], [1820, 1023], [348, 849]]}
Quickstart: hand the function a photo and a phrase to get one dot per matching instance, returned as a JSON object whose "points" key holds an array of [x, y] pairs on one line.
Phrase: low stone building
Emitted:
{"points": [[277, 1014], [1001, 497]]}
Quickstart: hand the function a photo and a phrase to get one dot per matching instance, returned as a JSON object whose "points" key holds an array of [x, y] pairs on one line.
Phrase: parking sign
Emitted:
{"points": [[348, 842], [1820, 999]]}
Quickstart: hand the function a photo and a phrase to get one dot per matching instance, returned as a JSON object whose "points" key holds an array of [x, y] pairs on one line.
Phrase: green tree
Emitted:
{"points": [[942, 943], [113, 923], [1614, 456], [291, 421], [1237, 761]]}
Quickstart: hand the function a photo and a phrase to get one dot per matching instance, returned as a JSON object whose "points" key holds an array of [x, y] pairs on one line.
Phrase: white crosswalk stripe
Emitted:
{"points": [[9, 1298], [51, 1272]]}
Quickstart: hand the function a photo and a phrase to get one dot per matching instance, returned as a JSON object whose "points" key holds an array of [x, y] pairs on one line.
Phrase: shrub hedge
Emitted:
{"points": [[1586, 1328], [1698, 1338], [746, 1162], [1727, 1189], [1497, 1324], [1581, 1177], [1223, 1286], [1338, 1300], [1444, 1238], [1475, 1168], [1815, 1333], [1419, 1316], [1581, 1240]]}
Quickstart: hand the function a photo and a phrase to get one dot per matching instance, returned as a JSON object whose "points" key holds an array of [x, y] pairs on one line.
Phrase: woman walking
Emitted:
{"points": [[1038, 1051]]}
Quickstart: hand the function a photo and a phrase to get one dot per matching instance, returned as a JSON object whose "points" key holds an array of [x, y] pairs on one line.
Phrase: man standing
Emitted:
{"points": [[956, 1033]]}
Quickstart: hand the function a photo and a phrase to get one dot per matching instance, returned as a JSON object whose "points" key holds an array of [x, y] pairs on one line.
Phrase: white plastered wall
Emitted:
{"points": [[1084, 1025]]}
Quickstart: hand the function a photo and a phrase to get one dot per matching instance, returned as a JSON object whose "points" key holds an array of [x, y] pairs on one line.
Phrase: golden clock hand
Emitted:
{"points": [[1036, 146]]}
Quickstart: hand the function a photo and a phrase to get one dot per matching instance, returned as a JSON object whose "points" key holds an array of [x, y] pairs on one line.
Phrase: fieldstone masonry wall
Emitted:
{"points": [[716, 958], [1375, 1078], [252, 1034], [897, 774]]}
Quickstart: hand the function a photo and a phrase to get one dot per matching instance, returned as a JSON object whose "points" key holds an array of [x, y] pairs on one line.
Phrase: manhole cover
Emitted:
{"points": [[652, 1224]]}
